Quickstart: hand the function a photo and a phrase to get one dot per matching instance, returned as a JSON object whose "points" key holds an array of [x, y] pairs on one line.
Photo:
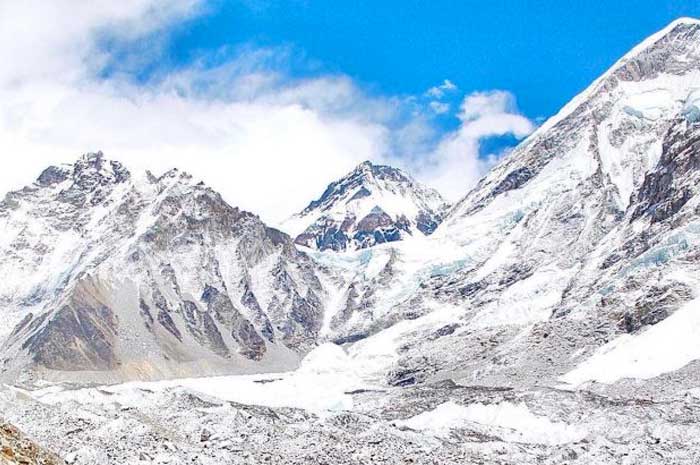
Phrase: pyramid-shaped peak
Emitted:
{"points": [[336, 219]]}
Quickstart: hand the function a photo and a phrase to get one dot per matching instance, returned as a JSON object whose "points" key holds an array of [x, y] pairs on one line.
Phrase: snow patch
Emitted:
{"points": [[663, 348], [320, 385], [512, 422]]}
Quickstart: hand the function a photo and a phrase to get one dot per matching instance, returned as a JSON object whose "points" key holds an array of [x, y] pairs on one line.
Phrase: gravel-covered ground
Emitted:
{"points": [[439, 424]]}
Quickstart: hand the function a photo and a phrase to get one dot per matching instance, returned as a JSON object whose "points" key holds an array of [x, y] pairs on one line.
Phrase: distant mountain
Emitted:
{"points": [[371, 205], [123, 276]]}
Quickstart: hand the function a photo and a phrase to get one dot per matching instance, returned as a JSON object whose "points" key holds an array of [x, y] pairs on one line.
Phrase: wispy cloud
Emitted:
{"points": [[439, 108], [439, 91]]}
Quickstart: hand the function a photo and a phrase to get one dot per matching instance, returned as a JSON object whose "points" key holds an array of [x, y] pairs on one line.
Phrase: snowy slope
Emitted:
{"points": [[372, 204]]}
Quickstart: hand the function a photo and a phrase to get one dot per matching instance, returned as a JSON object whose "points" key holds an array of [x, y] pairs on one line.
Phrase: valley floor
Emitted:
{"points": [[321, 414]]}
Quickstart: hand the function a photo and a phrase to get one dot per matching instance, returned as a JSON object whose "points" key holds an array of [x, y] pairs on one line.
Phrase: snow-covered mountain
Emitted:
{"points": [[373, 204], [125, 276], [551, 318], [582, 241], [585, 233]]}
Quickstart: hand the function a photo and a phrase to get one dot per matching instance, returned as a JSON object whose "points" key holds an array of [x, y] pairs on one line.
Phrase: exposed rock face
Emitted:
{"points": [[373, 204], [16, 449], [111, 275], [673, 183]]}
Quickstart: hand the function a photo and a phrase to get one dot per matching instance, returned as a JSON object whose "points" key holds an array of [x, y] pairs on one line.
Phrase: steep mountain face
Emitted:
{"points": [[373, 204], [115, 276], [584, 237]]}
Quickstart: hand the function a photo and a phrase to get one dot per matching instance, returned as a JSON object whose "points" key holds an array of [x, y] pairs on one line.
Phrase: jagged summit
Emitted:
{"points": [[91, 168], [372, 204]]}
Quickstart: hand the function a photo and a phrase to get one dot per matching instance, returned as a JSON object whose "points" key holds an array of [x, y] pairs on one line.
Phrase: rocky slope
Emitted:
{"points": [[16, 449], [109, 275], [373, 204]]}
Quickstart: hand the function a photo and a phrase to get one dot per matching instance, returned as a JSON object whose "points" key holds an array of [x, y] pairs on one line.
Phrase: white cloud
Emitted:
{"points": [[266, 156], [269, 143], [56, 40], [455, 165], [439, 108]]}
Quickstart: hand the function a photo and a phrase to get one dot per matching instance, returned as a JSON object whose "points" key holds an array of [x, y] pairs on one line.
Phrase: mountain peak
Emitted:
{"points": [[385, 204], [90, 170], [612, 131], [368, 170], [682, 22], [87, 235], [672, 51], [95, 163], [677, 39], [365, 166]]}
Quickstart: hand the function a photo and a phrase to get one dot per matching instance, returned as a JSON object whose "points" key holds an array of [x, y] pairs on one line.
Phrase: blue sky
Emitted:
{"points": [[544, 52], [268, 101]]}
